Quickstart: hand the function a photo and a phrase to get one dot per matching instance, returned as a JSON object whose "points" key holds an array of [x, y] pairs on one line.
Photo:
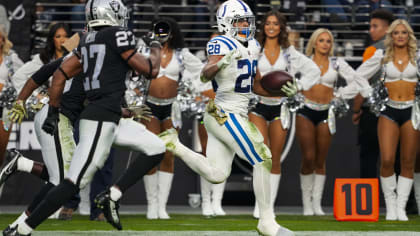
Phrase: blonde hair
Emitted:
{"points": [[389, 43], [7, 44], [310, 48]]}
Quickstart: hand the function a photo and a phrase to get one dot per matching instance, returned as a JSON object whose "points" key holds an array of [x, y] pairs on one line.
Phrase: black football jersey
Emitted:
{"points": [[105, 71], [71, 104]]}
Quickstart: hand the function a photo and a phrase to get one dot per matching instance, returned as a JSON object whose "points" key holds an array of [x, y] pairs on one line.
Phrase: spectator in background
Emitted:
{"points": [[338, 13], [367, 121], [78, 15], [9, 64], [58, 33]]}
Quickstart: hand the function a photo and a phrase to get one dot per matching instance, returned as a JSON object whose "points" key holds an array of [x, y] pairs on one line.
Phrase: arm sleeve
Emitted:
{"points": [[310, 73], [355, 83], [371, 66], [47, 70], [368, 53]]}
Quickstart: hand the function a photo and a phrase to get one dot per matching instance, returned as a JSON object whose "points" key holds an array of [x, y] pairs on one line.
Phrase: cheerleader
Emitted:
{"points": [[314, 127], [211, 194], [162, 93], [277, 54], [399, 122]]}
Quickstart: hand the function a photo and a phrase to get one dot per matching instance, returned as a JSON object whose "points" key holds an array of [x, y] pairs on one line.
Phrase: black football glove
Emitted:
{"points": [[151, 40], [51, 122]]}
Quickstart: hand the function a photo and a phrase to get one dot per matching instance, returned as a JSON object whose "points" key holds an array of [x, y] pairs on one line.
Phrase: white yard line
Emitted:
{"points": [[220, 233]]}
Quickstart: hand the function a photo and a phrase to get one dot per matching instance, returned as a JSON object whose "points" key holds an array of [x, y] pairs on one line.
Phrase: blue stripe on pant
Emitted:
{"points": [[253, 156]]}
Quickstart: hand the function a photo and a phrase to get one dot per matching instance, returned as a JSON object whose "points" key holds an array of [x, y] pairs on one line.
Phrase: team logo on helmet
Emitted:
{"points": [[115, 6]]}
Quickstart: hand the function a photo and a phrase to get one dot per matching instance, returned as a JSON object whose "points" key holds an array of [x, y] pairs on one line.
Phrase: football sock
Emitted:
{"points": [[115, 193], [261, 183], [137, 170], [40, 196], [54, 200], [24, 164], [19, 220]]}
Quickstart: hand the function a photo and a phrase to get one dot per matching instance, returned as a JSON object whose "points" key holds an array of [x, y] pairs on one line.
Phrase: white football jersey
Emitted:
{"points": [[233, 84]]}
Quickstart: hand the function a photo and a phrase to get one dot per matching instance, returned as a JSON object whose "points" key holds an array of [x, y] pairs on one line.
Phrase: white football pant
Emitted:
{"points": [[96, 139]]}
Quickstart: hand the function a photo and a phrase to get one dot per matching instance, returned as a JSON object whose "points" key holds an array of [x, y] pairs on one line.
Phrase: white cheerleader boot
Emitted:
{"points": [[274, 181], [151, 187], [306, 185], [389, 184], [206, 206], [218, 190], [417, 190], [164, 187], [256, 213], [403, 191], [318, 189]]}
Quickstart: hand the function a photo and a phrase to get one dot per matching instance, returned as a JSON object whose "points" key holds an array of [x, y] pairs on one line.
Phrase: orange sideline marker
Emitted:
{"points": [[356, 200]]}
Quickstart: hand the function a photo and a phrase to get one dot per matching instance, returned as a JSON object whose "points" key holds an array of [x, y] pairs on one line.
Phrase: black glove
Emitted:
{"points": [[51, 122], [150, 40]]}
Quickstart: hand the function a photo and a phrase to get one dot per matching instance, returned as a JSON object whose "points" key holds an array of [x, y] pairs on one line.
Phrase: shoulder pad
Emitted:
{"points": [[220, 45]]}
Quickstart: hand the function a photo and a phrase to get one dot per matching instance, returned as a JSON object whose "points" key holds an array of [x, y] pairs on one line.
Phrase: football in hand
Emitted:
{"points": [[273, 81]]}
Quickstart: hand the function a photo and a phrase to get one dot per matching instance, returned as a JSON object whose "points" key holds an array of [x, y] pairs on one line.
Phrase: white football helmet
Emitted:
{"points": [[232, 12], [106, 13]]}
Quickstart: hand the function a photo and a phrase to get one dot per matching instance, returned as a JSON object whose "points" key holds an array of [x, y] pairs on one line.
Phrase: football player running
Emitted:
{"points": [[232, 68], [104, 57]]}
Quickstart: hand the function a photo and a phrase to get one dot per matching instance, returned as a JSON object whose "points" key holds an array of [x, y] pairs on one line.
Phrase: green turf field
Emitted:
{"points": [[225, 223]]}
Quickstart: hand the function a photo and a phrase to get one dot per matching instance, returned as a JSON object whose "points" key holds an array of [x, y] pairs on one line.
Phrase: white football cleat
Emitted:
{"points": [[272, 228]]}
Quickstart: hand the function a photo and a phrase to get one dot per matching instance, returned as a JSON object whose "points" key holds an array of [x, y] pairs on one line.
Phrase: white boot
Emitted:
{"points": [[318, 189], [217, 196], [404, 186], [274, 181], [256, 213], [164, 187], [306, 185], [417, 190], [151, 187], [206, 206], [389, 184]]}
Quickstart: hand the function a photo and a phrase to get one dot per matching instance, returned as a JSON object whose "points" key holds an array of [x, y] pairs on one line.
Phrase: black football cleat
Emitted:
{"points": [[109, 208], [10, 168], [8, 230], [13, 232]]}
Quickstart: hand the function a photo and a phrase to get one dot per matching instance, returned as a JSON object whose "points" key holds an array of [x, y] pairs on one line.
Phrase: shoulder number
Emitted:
{"points": [[213, 49], [125, 38]]}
